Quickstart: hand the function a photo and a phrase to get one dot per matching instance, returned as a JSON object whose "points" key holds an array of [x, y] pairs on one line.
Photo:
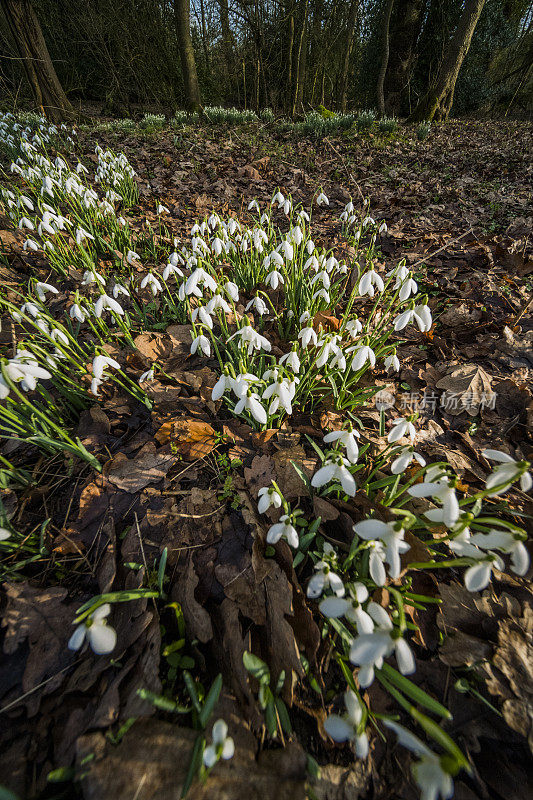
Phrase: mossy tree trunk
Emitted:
{"points": [[182, 12], [384, 58], [437, 103], [28, 36]]}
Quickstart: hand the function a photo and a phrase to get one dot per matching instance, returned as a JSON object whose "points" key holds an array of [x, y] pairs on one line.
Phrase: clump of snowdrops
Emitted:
{"points": [[257, 297]]}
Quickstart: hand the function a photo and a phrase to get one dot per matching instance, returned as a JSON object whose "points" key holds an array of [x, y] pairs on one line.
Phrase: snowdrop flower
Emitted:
{"points": [[80, 168], [43, 288], [171, 269], [287, 249], [103, 302], [323, 295], [478, 576], [202, 313], [351, 608], [153, 283], [25, 201], [201, 342], [308, 336], [436, 485], [506, 473], [161, 209], [268, 496], [222, 746], [259, 305], [421, 314], [368, 650], [4, 534], [100, 363], [347, 727], [76, 313], [132, 257], [57, 334], [82, 234], [404, 459], [251, 402], [353, 327], [429, 771], [217, 302], [90, 276], [327, 346], [361, 356], [402, 427], [322, 199], [335, 469], [118, 289], [323, 277], [217, 246], [254, 340], [391, 535], [347, 438], [254, 206], [408, 288], [101, 636], [312, 263], [279, 393], [284, 529], [278, 198], [232, 291], [24, 222], [324, 577], [392, 362], [273, 279], [224, 383], [506, 542], [368, 281], [382, 228], [296, 235], [147, 376], [199, 278], [242, 383], [291, 360], [30, 244]]}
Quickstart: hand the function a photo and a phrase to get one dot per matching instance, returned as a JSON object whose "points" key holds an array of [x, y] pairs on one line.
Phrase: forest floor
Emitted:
{"points": [[458, 207]]}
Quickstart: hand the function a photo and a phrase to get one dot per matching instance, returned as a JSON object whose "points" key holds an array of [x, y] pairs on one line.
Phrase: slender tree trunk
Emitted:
{"points": [[405, 26], [29, 39], [227, 42], [352, 22], [182, 12], [290, 48], [300, 61], [204, 37], [384, 59], [438, 101]]}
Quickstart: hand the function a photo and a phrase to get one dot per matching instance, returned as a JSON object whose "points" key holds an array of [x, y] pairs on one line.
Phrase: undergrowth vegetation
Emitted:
{"points": [[292, 325]]}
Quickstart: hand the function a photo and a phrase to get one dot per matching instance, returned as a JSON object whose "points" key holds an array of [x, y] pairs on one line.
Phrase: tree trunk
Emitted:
{"points": [[227, 42], [182, 12], [29, 39], [438, 101], [352, 22], [301, 60], [406, 23], [384, 59], [290, 48]]}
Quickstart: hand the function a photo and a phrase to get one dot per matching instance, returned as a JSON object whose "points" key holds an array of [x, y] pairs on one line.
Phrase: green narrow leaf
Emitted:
{"points": [[211, 700], [414, 692], [191, 688], [161, 570], [283, 715], [194, 766], [256, 667]]}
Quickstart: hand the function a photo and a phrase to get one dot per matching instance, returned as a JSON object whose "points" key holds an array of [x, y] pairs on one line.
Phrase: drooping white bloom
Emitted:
{"points": [[351, 608], [199, 278], [347, 439], [100, 363], [368, 650], [101, 636], [421, 314], [506, 542], [284, 529], [118, 289], [478, 576], [254, 206], [391, 535], [259, 305], [347, 727], [404, 458], [222, 746], [335, 469], [91, 276], [103, 302], [322, 199], [152, 282], [82, 234], [132, 257], [436, 485], [202, 313], [203, 343], [506, 473], [354, 328], [4, 534], [308, 335], [370, 280], [279, 392], [251, 402], [268, 496], [147, 376], [361, 356], [323, 579], [273, 279], [392, 362], [253, 339], [217, 302], [161, 209], [402, 427], [408, 287], [224, 383], [43, 288], [429, 772], [292, 360]]}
